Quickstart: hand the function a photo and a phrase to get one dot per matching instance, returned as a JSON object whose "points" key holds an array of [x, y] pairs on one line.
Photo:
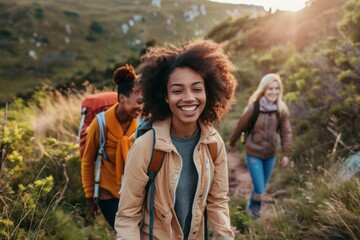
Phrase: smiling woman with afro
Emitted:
{"points": [[186, 90]]}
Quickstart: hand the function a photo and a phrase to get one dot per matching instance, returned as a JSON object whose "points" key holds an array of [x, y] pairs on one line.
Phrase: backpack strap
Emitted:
{"points": [[143, 127], [101, 151], [156, 160], [213, 150], [252, 122], [102, 135], [83, 113], [97, 177], [213, 153], [254, 116]]}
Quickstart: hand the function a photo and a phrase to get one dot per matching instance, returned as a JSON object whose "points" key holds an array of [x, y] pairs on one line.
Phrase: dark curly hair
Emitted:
{"points": [[203, 56], [125, 79]]}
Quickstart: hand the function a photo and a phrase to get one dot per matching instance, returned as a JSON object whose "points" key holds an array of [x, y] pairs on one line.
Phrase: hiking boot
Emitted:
{"points": [[253, 214], [253, 209]]}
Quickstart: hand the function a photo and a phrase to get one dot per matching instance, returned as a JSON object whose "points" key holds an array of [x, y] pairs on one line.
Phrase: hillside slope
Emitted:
{"points": [[60, 40], [299, 28], [317, 53]]}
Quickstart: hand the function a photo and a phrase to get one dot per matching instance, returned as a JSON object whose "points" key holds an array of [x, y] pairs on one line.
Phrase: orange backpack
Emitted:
{"points": [[92, 105]]}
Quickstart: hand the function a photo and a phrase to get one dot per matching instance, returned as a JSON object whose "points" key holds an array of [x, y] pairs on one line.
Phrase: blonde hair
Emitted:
{"points": [[263, 85]]}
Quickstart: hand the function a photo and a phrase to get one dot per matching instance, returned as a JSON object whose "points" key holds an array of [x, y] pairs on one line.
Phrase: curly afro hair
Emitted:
{"points": [[203, 56], [125, 79]]}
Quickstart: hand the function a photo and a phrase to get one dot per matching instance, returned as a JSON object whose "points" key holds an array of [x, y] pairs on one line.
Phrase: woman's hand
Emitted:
{"points": [[231, 148], [92, 207], [284, 161]]}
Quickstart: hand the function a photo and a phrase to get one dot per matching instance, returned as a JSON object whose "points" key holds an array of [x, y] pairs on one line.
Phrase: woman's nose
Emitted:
{"points": [[188, 97]]}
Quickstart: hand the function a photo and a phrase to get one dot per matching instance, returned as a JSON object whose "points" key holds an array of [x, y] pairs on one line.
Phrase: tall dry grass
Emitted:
{"points": [[324, 206], [40, 182], [58, 115]]}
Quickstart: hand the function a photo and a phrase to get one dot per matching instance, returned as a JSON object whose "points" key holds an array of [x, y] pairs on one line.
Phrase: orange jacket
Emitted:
{"points": [[117, 147]]}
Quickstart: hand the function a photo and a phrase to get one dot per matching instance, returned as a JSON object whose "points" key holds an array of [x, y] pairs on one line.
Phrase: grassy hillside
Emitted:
{"points": [[254, 38], [63, 40], [299, 28], [319, 62], [317, 53]]}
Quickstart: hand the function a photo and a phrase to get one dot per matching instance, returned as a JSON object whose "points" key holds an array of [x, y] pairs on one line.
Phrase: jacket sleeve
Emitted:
{"points": [[218, 200], [285, 135], [88, 159], [241, 125], [129, 215]]}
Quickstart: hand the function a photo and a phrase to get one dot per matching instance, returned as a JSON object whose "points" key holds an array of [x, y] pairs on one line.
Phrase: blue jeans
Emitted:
{"points": [[260, 171]]}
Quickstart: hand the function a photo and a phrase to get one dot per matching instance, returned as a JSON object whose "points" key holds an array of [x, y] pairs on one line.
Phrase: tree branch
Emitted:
{"points": [[3, 150], [64, 189], [337, 135]]}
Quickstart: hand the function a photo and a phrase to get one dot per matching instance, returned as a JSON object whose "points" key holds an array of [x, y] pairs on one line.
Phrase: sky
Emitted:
{"points": [[291, 5]]}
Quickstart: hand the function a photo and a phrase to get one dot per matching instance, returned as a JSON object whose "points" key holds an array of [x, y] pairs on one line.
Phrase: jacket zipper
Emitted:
{"points": [[178, 178], [208, 181], [197, 148], [269, 133], [207, 165]]}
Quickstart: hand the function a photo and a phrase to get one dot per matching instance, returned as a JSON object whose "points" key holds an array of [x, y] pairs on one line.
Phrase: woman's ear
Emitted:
{"points": [[121, 98]]}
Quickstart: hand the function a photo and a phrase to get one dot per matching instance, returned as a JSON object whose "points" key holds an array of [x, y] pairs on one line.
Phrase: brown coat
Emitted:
{"points": [[265, 134], [211, 191]]}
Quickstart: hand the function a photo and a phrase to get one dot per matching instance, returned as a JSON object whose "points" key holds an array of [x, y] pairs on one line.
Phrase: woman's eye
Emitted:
{"points": [[176, 91]]}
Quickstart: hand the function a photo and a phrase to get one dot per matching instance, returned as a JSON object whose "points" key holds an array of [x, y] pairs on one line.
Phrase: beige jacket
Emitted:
{"points": [[211, 192]]}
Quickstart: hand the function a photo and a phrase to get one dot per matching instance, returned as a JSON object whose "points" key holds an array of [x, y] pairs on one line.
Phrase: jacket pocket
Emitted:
{"points": [[162, 213], [162, 220], [159, 213], [257, 137]]}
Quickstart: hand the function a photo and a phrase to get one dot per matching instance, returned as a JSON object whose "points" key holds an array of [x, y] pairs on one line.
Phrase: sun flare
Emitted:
{"points": [[293, 5], [284, 5]]}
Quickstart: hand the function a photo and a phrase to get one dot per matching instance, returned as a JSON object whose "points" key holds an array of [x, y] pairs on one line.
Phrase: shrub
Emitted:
{"points": [[96, 27], [71, 14], [39, 13]]}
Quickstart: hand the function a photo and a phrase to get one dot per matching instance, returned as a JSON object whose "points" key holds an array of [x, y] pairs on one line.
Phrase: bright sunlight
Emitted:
{"points": [[293, 5]]}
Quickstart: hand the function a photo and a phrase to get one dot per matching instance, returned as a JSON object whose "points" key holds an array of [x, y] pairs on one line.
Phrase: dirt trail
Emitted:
{"points": [[239, 178], [240, 182]]}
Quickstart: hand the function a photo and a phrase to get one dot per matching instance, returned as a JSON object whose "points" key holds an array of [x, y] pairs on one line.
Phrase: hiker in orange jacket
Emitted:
{"points": [[121, 123], [186, 90]]}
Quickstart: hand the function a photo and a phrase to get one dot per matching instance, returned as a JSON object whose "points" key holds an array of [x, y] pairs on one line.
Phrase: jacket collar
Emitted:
{"points": [[163, 139]]}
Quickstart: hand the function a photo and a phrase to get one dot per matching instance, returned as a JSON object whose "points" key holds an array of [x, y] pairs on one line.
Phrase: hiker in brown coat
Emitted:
{"points": [[272, 122]]}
